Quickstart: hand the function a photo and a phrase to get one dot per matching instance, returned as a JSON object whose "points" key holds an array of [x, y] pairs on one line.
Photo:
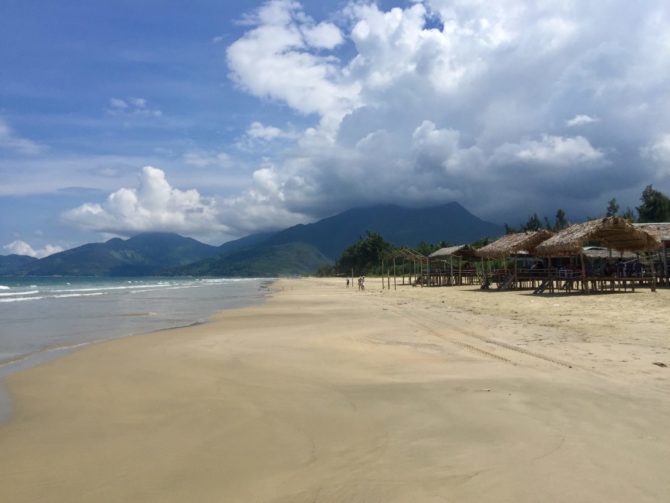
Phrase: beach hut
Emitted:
{"points": [[614, 233], [521, 244], [453, 265], [660, 231]]}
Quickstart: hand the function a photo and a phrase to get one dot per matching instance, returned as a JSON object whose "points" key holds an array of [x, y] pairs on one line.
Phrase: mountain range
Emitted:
{"points": [[300, 249]]}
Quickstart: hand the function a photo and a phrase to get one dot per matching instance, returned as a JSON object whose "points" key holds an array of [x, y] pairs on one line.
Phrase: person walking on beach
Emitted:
{"points": [[347, 282]]}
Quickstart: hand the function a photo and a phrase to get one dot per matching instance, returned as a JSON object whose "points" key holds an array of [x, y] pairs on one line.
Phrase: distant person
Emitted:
{"points": [[347, 282]]}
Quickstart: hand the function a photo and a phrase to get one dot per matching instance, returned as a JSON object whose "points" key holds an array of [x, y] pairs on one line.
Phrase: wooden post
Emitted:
{"points": [[665, 264], [581, 256], [516, 279], [451, 273], [382, 274], [395, 287], [653, 273]]}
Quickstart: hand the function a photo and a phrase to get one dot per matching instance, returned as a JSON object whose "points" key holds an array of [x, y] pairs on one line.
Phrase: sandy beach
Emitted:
{"points": [[327, 394]]}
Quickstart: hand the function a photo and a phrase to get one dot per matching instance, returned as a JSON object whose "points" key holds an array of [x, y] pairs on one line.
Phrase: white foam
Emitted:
{"points": [[67, 295], [14, 294], [20, 299], [3, 287]]}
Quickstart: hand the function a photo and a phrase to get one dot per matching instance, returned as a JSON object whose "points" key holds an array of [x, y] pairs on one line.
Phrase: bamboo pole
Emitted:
{"points": [[653, 273], [395, 287], [665, 263]]}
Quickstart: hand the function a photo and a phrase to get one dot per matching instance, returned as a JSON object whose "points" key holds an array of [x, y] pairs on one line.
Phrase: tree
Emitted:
{"points": [[655, 206], [561, 221], [629, 215], [510, 230], [612, 208], [364, 256], [534, 223]]}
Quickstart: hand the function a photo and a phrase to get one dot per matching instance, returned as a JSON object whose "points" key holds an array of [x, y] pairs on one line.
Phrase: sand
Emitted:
{"points": [[327, 394]]}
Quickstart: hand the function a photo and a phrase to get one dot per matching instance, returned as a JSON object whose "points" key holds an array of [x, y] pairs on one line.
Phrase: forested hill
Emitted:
{"points": [[400, 226]]}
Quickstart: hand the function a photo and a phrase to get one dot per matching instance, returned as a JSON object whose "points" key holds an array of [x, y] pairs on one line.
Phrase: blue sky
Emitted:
{"points": [[218, 119]]}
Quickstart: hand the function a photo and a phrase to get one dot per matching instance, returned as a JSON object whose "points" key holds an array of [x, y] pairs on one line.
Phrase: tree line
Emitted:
{"points": [[655, 207]]}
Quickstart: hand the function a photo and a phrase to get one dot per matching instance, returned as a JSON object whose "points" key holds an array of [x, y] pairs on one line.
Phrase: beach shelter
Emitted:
{"points": [[453, 265], [509, 245], [405, 262], [614, 233], [661, 231]]}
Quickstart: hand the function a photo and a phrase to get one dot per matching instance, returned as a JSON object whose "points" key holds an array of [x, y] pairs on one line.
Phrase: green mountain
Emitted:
{"points": [[258, 261], [302, 249], [9, 264], [142, 255], [245, 242], [400, 226]]}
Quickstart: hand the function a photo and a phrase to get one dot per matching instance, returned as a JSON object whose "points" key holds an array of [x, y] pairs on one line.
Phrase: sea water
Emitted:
{"points": [[41, 318]]}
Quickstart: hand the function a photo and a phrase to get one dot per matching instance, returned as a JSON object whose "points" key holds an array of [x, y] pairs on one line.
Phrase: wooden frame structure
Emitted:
{"points": [[660, 231], [408, 264], [614, 233], [453, 266], [522, 244]]}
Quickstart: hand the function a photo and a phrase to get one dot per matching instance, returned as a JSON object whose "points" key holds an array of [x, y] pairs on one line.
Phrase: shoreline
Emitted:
{"points": [[322, 394], [47, 354]]}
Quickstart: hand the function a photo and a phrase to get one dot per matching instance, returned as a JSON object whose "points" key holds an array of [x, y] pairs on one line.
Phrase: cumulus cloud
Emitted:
{"points": [[154, 205], [555, 150], [10, 141], [580, 120], [275, 59], [258, 131], [460, 100], [20, 247]]}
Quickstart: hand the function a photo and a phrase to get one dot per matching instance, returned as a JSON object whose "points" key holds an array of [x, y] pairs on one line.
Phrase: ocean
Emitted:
{"points": [[41, 318]]}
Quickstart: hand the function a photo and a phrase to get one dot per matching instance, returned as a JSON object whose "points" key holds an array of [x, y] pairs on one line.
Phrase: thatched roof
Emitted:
{"points": [[458, 251], [612, 232], [660, 231], [514, 243]]}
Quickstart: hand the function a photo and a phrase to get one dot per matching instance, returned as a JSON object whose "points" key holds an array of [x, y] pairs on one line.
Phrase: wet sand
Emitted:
{"points": [[330, 394]]}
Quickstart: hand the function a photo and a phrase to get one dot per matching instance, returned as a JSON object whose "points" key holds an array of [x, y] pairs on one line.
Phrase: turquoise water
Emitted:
{"points": [[41, 318]]}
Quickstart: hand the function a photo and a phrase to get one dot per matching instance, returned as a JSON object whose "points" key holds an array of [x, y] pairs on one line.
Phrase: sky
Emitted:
{"points": [[218, 119]]}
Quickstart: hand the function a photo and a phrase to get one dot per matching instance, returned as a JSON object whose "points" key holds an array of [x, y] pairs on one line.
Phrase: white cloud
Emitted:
{"points": [[20, 247], [460, 99], [152, 206], [580, 120], [273, 60], [322, 36], [258, 131], [132, 107], [555, 150], [207, 158], [659, 149], [9, 140]]}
